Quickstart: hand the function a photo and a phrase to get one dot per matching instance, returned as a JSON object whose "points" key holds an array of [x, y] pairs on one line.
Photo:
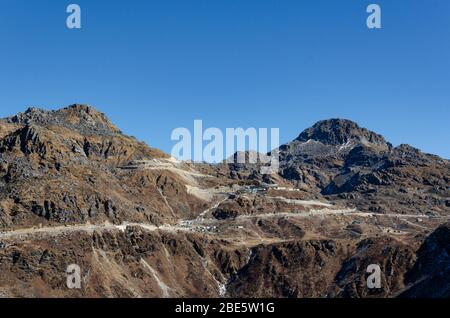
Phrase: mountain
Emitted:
{"points": [[82, 118], [338, 132], [68, 166], [342, 161], [76, 190]]}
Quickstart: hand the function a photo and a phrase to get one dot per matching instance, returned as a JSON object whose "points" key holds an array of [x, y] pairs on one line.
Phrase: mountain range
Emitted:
{"points": [[139, 223]]}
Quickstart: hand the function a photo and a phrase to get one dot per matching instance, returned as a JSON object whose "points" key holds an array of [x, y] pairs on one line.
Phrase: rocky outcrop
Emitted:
{"points": [[340, 131], [430, 276], [394, 259], [82, 118], [28, 140], [288, 270]]}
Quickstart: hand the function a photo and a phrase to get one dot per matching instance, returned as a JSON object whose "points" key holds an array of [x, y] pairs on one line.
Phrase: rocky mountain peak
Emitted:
{"points": [[89, 119], [33, 110], [82, 118], [31, 115], [82, 110], [340, 131]]}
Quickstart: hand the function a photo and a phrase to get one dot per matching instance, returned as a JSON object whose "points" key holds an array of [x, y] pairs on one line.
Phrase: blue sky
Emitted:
{"points": [[153, 66]]}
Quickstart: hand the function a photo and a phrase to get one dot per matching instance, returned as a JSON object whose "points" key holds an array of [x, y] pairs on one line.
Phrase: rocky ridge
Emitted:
{"points": [[76, 190]]}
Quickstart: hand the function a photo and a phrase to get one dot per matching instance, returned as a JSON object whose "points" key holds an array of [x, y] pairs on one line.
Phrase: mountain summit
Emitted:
{"points": [[340, 131], [83, 118]]}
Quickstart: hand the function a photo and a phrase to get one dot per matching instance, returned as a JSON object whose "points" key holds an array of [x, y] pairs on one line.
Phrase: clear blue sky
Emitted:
{"points": [[153, 66]]}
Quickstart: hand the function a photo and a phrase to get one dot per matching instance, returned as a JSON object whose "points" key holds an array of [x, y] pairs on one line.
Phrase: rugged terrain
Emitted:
{"points": [[76, 190]]}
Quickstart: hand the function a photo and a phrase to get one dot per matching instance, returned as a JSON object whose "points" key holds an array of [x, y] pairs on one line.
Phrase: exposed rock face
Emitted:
{"points": [[395, 259], [342, 161], [295, 269], [430, 276], [75, 190], [82, 118], [65, 167], [337, 132]]}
